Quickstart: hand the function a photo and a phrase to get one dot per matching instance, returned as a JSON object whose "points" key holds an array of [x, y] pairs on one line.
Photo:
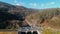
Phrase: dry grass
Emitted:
{"points": [[50, 31], [8, 32]]}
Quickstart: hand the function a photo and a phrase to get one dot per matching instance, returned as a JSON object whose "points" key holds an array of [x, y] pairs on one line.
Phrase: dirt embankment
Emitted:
{"points": [[8, 32]]}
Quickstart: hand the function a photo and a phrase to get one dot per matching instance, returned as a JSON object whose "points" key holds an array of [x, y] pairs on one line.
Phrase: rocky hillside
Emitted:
{"points": [[19, 10], [46, 18], [12, 17]]}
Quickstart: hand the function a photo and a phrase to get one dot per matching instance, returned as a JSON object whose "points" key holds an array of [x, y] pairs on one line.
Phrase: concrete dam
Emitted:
{"points": [[33, 29], [30, 30]]}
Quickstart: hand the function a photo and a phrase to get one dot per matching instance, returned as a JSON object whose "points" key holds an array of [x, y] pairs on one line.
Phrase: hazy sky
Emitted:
{"points": [[38, 4]]}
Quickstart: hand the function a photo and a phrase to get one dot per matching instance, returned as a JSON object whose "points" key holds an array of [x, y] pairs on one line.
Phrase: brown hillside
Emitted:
{"points": [[46, 18]]}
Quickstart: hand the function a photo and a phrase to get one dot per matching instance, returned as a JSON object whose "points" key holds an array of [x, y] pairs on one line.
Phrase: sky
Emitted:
{"points": [[37, 4]]}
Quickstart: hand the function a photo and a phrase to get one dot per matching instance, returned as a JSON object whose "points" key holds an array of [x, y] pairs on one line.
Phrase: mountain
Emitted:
{"points": [[12, 16], [45, 18], [16, 9]]}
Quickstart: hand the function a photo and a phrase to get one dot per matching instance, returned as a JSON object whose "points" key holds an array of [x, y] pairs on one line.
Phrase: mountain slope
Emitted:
{"points": [[46, 18], [12, 17], [16, 9]]}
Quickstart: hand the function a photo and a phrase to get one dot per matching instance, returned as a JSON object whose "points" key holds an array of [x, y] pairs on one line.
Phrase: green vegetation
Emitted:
{"points": [[49, 31], [6, 18]]}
